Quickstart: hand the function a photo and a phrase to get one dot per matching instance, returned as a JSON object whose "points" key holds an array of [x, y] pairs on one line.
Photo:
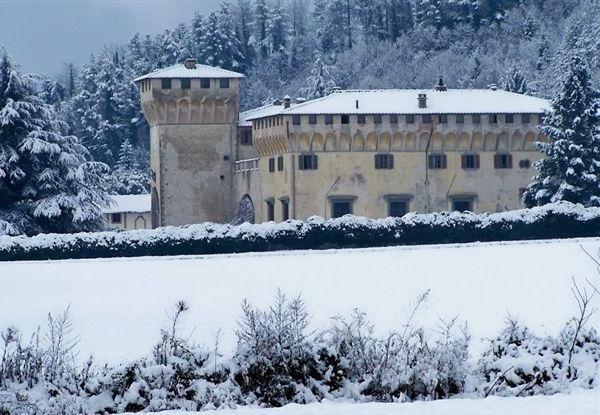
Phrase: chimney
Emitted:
{"points": [[356, 104], [422, 100], [190, 63], [493, 87], [336, 89], [300, 100], [286, 101], [276, 102], [440, 86]]}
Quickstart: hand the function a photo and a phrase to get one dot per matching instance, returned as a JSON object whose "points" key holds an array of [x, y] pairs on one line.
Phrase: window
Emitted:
{"points": [[493, 118], [296, 120], [204, 83], [397, 208], [186, 83], [270, 210], [165, 83], [270, 122], [460, 118], [437, 161], [525, 118], [285, 209], [410, 119], [341, 207], [509, 118], [328, 119], [443, 119], [224, 83], [470, 161], [384, 161], [345, 119], [308, 162], [246, 138], [280, 163], [115, 218], [361, 119], [503, 161], [426, 118], [393, 118], [525, 164], [312, 119], [476, 118], [271, 165], [462, 204], [377, 119]]}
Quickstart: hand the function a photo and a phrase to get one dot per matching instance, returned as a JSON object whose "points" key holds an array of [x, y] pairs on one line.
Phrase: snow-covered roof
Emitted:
{"points": [[269, 110], [200, 71], [404, 101], [129, 203]]}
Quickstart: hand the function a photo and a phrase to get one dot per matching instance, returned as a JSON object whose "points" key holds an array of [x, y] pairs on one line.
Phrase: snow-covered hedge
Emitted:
{"points": [[561, 220]]}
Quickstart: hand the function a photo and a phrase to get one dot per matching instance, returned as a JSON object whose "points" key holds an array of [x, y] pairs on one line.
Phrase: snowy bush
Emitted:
{"points": [[561, 220]]}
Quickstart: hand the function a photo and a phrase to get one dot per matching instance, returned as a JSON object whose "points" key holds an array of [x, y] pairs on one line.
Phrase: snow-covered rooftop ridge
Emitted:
{"points": [[129, 203], [404, 101], [268, 110], [180, 71]]}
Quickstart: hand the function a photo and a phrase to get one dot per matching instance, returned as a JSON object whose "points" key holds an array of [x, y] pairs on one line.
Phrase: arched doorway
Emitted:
{"points": [[245, 211]]}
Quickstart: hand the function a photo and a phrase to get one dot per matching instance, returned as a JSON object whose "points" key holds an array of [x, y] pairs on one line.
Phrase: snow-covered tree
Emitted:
{"points": [[514, 81], [321, 81], [570, 170], [47, 181], [219, 45]]}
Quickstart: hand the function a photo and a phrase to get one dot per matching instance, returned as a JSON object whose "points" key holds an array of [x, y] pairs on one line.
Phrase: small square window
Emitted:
{"points": [[246, 138], [470, 161], [340, 208], [503, 161], [205, 83], [393, 118], [296, 120], [384, 161], [377, 118], [460, 118], [525, 163], [308, 162], [509, 118], [280, 163], [525, 118], [166, 83], [397, 208], [361, 119], [493, 118], [186, 83], [224, 83], [345, 119], [462, 205], [437, 161], [410, 119], [476, 118], [443, 119], [115, 218], [312, 119], [271, 165], [328, 119], [426, 118]]}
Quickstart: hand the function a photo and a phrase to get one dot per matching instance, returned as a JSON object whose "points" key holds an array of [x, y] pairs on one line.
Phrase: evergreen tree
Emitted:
{"points": [[261, 18], [47, 183], [219, 46], [320, 82], [570, 170], [515, 82]]}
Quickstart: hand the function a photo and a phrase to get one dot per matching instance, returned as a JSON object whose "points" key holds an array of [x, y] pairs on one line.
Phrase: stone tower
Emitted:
{"points": [[193, 113]]}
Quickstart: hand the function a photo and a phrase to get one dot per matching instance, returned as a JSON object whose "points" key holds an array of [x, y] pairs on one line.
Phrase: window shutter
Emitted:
{"points": [[316, 162], [300, 163], [391, 161], [376, 161], [509, 159], [430, 162], [444, 161], [476, 156], [496, 161], [463, 161]]}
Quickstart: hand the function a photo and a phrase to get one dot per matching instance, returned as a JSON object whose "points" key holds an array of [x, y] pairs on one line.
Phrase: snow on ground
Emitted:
{"points": [[579, 402], [118, 305]]}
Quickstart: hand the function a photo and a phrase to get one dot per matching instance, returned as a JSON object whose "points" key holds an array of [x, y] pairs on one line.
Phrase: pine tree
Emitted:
{"points": [[515, 82], [219, 45], [321, 81], [47, 182], [261, 17], [570, 170]]}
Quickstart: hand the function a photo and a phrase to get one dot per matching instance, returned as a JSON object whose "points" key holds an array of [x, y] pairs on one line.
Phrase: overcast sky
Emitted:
{"points": [[40, 35]]}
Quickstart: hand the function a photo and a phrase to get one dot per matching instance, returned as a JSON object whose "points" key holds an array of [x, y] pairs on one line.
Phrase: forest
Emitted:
{"points": [[304, 49]]}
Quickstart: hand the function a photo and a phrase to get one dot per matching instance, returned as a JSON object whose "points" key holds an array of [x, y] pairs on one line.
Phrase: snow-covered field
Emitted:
{"points": [[118, 305], [577, 403]]}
